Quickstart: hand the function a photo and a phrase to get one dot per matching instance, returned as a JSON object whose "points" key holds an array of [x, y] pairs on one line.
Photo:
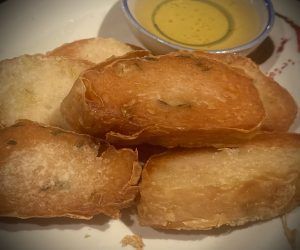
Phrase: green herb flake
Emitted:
{"points": [[184, 105], [45, 187], [57, 132], [79, 144], [11, 142], [203, 66], [180, 105], [163, 102]]}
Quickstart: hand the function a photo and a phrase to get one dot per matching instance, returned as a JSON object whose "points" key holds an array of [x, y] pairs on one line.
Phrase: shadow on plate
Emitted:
{"points": [[263, 52], [99, 222], [296, 124], [115, 25]]}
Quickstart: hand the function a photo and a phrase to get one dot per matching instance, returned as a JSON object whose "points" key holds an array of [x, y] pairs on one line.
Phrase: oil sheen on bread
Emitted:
{"points": [[170, 100]]}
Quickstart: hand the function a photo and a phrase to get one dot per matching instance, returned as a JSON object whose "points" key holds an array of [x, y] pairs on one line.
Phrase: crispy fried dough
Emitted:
{"points": [[170, 100], [95, 50], [280, 107], [200, 189], [33, 87], [49, 172]]}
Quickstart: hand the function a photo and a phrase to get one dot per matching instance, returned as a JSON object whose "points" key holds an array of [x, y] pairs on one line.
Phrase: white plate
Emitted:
{"points": [[38, 26]]}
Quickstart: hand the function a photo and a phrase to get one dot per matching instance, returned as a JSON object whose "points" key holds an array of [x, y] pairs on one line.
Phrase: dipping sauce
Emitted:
{"points": [[202, 24]]}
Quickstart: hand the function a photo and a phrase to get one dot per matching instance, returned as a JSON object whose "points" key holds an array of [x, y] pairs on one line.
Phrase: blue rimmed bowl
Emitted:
{"points": [[159, 45]]}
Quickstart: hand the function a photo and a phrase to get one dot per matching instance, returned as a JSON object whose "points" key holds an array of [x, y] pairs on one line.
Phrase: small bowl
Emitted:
{"points": [[159, 45]]}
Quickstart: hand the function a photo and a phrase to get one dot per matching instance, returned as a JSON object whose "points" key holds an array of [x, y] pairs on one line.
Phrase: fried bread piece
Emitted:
{"points": [[169, 100], [95, 50], [200, 189], [33, 87], [280, 107], [49, 172]]}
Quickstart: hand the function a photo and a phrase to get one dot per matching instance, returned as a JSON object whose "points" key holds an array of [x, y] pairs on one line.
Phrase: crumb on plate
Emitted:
{"points": [[134, 241]]}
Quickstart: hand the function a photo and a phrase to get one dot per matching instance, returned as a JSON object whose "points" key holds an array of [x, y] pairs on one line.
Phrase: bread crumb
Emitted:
{"points": [[87, 236], [134, 241]]}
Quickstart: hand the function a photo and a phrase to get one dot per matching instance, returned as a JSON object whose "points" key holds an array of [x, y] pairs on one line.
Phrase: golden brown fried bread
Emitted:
{"points": [[33, 87], [49, 172], [200, 189], [279, 105], [95, 50], [170, 100]]}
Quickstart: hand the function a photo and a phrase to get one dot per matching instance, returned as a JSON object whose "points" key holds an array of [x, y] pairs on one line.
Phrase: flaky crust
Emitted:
{"points": [[170, 100], [281, 109], [49, 172], [201, 189]]}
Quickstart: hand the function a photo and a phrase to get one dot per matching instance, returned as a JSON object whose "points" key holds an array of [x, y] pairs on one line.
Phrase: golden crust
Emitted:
{"points": [[95, 50], [281, 109], [49, 172], [200, 189], [170, 100]]}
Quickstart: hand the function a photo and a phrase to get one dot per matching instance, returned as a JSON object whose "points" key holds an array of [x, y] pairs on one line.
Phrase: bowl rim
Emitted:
{"points": [[252, 43]]}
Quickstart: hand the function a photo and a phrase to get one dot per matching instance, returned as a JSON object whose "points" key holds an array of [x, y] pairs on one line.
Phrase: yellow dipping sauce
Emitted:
{"points": [[203, 24]]}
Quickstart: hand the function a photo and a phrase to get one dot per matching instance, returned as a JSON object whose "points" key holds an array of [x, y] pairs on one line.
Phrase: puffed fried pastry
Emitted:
{"points": [[201, 189], [169, 100], [281, 109], [49, 172], [33, 86]]}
